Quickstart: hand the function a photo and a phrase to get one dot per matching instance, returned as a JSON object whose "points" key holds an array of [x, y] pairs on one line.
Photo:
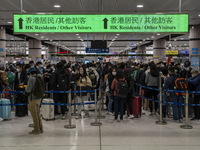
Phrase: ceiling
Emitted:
{"points": [[78, 42]]}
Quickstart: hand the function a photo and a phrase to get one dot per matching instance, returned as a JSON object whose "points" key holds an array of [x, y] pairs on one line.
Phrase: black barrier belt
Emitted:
{"points": [[62, 104], [172, 91], [55, 104], [21, 92]]}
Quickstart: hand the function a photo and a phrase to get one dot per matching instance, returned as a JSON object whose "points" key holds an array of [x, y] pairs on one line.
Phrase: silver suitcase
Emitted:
{"points": [[47, 111]]}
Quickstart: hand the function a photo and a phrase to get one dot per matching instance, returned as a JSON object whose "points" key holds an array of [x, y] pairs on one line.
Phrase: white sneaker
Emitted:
{"points": [[125, 116], [131, 117], [63, 117]]}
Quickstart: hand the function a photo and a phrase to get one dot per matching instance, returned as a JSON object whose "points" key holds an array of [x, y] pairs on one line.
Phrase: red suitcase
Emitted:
{"points": [[136, 105]]}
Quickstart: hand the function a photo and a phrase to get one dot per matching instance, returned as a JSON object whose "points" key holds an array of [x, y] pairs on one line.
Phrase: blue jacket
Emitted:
{"points": [[195, 81], [169, 84]]}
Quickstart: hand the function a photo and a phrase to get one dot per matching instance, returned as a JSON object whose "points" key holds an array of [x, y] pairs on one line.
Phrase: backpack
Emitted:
{"points": [[39, 88], [11, 77], [180, 85], [93, 77], [134, 74], [122, 90], [63, 82]]}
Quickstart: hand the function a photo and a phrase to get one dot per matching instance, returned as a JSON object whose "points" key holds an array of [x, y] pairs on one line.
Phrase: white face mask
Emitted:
{"points": [[114, 73], [187, 69], [18, 70], [81, 72], [193, 75]]}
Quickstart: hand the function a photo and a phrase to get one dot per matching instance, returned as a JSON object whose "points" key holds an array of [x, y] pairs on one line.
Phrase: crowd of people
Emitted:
{"points": [[116, 80]]}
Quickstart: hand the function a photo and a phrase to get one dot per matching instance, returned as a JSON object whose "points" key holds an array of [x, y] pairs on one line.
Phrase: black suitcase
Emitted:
{"points": [[21, 110]]}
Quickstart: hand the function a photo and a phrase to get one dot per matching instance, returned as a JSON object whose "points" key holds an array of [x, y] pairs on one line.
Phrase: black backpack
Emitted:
{"points": [[122, 90], [63, 82], [39, 88]]}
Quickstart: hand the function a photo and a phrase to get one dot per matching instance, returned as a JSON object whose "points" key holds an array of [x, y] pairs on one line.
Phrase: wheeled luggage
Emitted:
{"points": [[136, 105], [21, 110], [5, 111], [47, 111]]}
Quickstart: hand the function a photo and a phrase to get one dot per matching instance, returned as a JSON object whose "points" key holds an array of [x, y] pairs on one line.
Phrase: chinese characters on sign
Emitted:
{"points": [[27, 23]]}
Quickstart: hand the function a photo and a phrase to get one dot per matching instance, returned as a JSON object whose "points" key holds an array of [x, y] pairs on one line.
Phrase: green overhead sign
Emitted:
{"points": [[51, 23]]}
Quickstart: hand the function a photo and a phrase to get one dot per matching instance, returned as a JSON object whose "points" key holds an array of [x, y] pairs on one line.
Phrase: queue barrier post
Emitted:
{"points": [[70, 126], [96, 123], [100, 116], [186, 125], [161, 121]]}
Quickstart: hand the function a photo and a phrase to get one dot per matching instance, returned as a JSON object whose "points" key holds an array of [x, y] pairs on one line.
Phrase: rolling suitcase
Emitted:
{"points": [[47, 111], [21, 110], [136, 105], [5, 111]]}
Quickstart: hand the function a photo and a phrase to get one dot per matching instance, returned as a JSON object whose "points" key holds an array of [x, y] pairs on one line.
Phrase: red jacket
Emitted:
{"points": [[114, 85]]}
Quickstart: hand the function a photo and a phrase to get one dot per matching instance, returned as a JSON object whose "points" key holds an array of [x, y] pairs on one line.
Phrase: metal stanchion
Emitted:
{"points": [[74, 98], [161, 121], [100, 116], [96, 123], [70, 126], [186, 125]]}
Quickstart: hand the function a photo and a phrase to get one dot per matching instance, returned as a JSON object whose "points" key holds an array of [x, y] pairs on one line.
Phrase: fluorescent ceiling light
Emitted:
{"points": [[117, 34], [41, 13], [36, 34], [42, 37], [158, 34], [57, 6], [140, 6], [9, 22], [199, 15]]}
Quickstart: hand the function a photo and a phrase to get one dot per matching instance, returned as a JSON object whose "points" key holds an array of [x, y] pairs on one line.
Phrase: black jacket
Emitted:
{"points": [[22, 79], [55, 77]]}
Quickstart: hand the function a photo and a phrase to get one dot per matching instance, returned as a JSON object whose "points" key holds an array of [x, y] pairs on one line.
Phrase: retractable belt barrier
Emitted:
{"points": [[170, 91], [59, 92]]}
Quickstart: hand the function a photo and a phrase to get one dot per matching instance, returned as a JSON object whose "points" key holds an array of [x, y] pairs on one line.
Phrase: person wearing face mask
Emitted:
{"points": [[169, 85], [83, 83], [39, 68], [110, 92], [32, 64], [19, 85], [93, 75], [60, 82], [47, 75], [195, 82], [186, 71]]}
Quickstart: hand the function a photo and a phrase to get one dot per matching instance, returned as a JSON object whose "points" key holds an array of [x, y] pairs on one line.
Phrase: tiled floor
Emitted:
{"points": [[139, 134]]}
